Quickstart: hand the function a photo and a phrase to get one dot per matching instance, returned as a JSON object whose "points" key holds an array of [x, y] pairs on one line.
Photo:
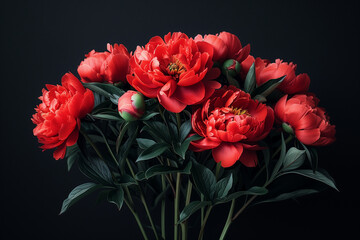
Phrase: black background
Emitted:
{"points": [[42, 40]]}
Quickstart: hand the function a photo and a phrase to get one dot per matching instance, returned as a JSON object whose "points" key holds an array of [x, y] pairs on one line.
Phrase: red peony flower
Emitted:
{"points": [[111, 67], [178, 71], [58, 116], [265, 71], [308, 121], [232, 123], [226, 46]]}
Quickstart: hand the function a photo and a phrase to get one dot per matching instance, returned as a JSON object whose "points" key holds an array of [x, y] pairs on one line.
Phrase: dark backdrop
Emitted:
{"points": [[42, 40]]}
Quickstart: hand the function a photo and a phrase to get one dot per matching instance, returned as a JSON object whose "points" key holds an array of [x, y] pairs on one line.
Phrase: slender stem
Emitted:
{"points": [[107, 144], [243, 207], [163, 202], [178, 120], [91, 143], [184, 225], [176, 205], [288, 139], [228, 221], [142, 198], [217, 171], [204, 223], [136, 216], [202, 209]]}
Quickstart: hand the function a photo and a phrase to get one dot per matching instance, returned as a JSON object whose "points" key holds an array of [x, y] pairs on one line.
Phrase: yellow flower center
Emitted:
{"points": [[239, 111], [176, 68]]}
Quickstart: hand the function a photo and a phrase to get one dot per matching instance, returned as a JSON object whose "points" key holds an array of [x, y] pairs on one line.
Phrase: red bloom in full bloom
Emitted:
{"points": [[309, 122], [178, 71], [226, 46], [111, 66], [265, 71], [232, 123], [58, 116]]}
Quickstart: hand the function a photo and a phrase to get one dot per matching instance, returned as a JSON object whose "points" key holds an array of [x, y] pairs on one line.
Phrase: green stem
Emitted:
{"points": [[228, 221], [184, 225], [176, 206], [136, 216], [204, 223], [163, 202], [178, 120], [217, 171], [243, 207], [202, 209], [288, 139], [142, 198], [91, 143]]}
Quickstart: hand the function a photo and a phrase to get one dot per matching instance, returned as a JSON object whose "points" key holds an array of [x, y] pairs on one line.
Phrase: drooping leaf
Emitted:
{"points": [[191, 208], [78, 193], [250, 80], [252, 191], [318, 176], [163, 169], [105, 89], [290, 195], [96, 169], [294, 158], [153, 151], [116, 196]]}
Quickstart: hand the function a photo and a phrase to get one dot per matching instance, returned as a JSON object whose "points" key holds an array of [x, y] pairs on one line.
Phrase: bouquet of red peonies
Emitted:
{"points": [[187, 123]]}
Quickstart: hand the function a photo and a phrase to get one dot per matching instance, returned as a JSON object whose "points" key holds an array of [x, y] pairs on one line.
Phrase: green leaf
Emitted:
{"points": [[294, 158], [158, 130], [125, 180], [191, 208], [116, 196], [281, 158], [145, 143], [231, 80], [105, 89], [140, 176], [290, 195], [181, 149], [96, 169], [153, 151], [204, 180], [149, 116], [73, 153], [121, 136], [185, 130], [109, 116], [250, 80], [318, 176], [223, 187], [252, 191], [268, 87], [78, 193], [162, 169]]}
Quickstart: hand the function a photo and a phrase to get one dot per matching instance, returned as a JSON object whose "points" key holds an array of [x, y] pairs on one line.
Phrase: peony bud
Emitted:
{"points": [[287, 128], [131, 105], [231, 66]]}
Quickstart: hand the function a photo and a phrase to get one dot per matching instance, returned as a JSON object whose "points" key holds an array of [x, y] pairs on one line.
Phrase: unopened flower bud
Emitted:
{"points": [[131, 105], [231, 66], [287, 128]]}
